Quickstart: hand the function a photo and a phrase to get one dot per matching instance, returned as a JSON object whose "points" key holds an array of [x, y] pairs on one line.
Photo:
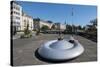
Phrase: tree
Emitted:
{"points": [[36, 24], [79, 27], [83, 28], [94, 22], [27, 31], [92, 28], [44, 28]]}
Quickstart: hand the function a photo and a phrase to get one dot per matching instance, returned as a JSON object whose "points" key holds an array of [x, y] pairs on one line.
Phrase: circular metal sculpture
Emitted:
{"points": [[58, 50]]}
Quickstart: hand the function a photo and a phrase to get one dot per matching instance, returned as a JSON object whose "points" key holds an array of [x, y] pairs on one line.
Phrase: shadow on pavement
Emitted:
{"points": [[49, 60]]}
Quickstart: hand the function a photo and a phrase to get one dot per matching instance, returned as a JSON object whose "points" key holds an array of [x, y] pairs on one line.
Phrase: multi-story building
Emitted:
{"points": [[38, 23], [26, 20], [46, 23], [59, 26], [16, 16], [62, 27], [20, 20]]}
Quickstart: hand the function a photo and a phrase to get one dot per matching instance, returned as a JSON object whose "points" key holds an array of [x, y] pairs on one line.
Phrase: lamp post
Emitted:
{"points": [[72, 22]]}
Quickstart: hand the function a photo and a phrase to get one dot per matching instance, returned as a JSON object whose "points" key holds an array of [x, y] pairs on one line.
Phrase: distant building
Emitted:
{"points": [[60, 26], [27, 20], [16, 16], [57, 26], [46, 23], [38, 23]]}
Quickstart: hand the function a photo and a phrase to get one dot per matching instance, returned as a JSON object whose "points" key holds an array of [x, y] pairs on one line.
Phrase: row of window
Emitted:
{"points": [[14, 22], [15, 7], [15, 12], [16, 17]]}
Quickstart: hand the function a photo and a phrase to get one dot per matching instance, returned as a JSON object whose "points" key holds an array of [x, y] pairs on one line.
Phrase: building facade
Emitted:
{"points": [[62, 27], [20, 20], [27, 20], [59, 26], [38, 24], [16, 16], [46, 23]]}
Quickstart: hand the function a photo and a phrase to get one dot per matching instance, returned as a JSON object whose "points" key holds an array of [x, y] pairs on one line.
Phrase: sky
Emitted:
{"points": [[60, 13]]}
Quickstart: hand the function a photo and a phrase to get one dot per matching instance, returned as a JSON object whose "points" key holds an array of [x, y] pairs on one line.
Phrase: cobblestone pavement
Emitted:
{"points": [[24, 50]]}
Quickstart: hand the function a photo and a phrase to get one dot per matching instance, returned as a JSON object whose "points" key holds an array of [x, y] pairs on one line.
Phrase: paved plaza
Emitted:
{"points": [[24, 50]]}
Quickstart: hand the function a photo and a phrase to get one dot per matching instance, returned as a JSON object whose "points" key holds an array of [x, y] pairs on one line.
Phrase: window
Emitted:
{"points": [[24, 20], [18, 23], [14, 22], [17, 8], [17, 17], [16, 13]]}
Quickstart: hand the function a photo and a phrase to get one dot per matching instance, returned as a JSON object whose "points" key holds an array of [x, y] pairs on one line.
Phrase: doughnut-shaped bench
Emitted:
{"points": [[60, 50]]}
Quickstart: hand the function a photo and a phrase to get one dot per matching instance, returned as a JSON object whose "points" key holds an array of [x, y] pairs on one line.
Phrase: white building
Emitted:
{"points": [[62, 26], [26, 20], [46, 23], [16, 16], [38, 24]]}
